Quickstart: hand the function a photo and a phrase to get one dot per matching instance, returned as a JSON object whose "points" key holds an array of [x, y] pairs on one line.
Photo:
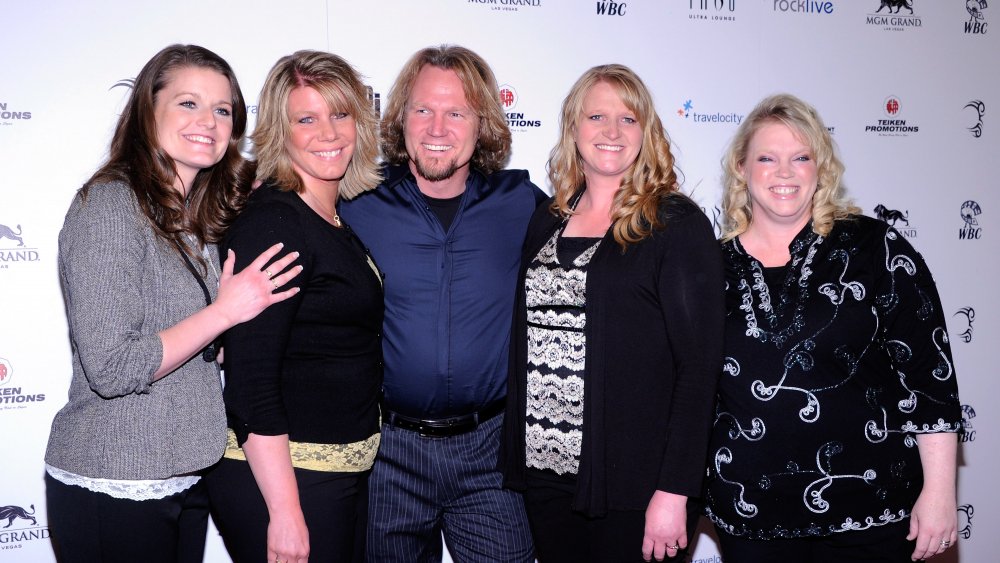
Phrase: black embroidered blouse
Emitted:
{"points": [[830, 372]]}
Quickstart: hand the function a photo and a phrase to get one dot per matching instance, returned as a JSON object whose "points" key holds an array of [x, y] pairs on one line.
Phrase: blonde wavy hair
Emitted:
{"points": [[481, 92], [829, 202], [340, 85], [653, 175]]}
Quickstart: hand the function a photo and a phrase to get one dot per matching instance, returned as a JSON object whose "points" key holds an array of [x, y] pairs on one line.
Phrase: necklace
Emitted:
{"points": [[331, 217]]}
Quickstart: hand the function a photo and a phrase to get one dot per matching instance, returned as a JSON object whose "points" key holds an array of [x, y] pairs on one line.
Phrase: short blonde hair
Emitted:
{"points": [[652, 176], [341, 87], [829, 202], [481, 91]]}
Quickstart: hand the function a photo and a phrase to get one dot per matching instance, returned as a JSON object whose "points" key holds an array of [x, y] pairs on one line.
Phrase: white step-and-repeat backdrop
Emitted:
{"points": [[910, 89]]}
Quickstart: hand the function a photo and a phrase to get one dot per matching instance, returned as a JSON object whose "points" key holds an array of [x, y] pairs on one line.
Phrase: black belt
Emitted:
{"points": [[447, 426]]}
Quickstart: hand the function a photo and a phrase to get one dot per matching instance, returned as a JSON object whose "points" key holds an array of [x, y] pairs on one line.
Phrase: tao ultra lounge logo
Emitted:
{"points": [[712, 10]]}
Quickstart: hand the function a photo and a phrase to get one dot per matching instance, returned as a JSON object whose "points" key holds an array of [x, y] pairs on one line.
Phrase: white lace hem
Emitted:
{"points": [[147, 489]]}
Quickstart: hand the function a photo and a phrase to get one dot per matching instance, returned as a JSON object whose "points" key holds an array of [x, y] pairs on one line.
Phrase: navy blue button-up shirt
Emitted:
{"points": [[449, 295]]}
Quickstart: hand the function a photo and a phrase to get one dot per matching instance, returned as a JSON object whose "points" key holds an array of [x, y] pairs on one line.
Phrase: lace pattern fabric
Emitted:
{"points": [[556, 296], [145, 489], [335, 458]]}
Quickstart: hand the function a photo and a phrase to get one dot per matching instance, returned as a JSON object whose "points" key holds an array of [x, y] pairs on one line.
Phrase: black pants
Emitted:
{"points": [[335, 506], [564, 535], [88, 526], [880, 544]]}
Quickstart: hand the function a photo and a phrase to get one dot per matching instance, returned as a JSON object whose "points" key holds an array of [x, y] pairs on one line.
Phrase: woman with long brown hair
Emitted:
{"points": [[146, 301]]}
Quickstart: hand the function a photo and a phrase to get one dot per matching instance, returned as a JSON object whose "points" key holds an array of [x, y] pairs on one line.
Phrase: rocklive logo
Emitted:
{"points": [[611, 8]]}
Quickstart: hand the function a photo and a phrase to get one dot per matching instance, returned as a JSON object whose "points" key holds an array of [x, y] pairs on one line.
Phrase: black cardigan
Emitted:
{"points": [[654, 353]]}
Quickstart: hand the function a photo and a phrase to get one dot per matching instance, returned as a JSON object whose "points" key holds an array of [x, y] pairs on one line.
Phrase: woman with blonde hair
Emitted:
{"points": [[617, 337], [302, 383], [834, 436]]}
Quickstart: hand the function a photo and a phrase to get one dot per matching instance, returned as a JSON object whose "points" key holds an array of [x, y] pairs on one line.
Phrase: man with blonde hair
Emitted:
{"points": [[446, 226]]}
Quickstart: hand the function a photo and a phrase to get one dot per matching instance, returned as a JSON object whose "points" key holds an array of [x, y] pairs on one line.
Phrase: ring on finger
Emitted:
{"points": [[674, 546], [274, 283], [945, 544], [269, 276]]}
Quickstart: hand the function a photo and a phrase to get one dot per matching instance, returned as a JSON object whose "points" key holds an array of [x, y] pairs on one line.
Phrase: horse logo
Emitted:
{"points": [[11, 513], [891, 216], [7, 232], [898, 4]]}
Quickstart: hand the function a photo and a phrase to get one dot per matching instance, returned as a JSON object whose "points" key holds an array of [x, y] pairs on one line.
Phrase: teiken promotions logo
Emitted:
{"points": [[516, 120], [6, 372], [10, 114], [14, 397], [892, 124]]}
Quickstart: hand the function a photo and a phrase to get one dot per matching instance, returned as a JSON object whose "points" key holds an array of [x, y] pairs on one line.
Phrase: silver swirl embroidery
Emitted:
{"points": [[943, 370], [743, 508], [831, 291], [812, 495], [754, 433], [893, 263]]}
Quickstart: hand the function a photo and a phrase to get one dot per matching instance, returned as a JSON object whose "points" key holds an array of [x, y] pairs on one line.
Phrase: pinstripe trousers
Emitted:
{"points": [[423, 486]]}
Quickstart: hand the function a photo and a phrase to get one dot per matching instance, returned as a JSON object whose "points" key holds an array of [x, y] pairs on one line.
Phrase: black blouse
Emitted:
{"points": [[829, 374], [309, 366]]}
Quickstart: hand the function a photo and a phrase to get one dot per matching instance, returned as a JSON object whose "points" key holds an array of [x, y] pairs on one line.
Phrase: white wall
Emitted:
{"points": [[60, 61]]}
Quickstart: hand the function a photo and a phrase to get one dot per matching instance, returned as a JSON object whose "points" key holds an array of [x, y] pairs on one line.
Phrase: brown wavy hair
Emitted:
{"points": [[136, 158], [829, 203], [481, 91], [653, 175], [340, 85]]}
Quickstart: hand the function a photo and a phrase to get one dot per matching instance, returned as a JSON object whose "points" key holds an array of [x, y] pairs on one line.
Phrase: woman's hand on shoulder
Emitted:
{"points": [[244, 295], [665, 534]]}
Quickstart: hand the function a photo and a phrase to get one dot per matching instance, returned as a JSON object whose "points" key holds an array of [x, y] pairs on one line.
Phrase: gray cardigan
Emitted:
{"points": [[122, 285]]}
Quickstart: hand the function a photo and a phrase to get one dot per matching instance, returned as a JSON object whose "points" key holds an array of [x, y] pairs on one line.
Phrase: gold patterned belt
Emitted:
{"points": [[341, 458]]}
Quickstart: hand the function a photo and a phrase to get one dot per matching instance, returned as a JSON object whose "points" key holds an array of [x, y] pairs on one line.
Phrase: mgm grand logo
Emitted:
{"points": [[12, 536], [12, 247], [899, 220]]}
